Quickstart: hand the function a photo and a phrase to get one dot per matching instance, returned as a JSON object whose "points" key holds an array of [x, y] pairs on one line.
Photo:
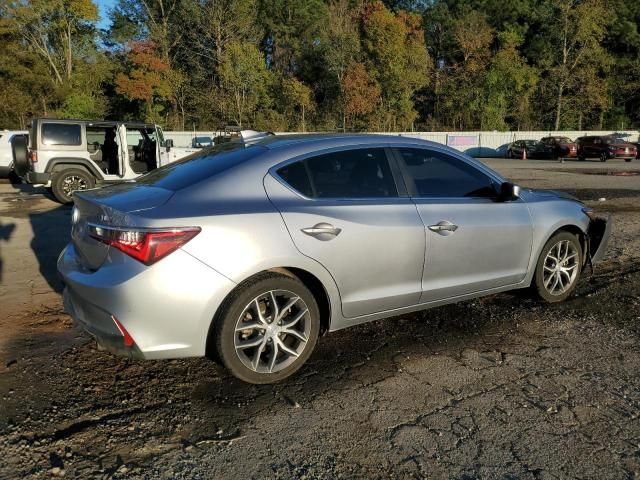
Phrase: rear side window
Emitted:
{"points": [[61, 134], [349, 174], [200, 166], [435, 174]]}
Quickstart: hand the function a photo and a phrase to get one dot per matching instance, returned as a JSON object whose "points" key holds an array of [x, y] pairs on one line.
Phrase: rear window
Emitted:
{"points": [[61, 134], [200, 166]]}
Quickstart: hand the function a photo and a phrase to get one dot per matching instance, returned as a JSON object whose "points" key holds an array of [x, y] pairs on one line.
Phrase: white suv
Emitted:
{"points": [[70, 155], [6, 157]]}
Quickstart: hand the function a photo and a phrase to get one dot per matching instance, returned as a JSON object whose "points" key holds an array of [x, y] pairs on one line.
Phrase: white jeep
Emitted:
{"points": [[70, 155]]}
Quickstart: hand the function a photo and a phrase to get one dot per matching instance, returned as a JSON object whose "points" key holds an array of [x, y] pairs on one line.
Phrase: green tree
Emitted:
{"points": [[509, 85], [398, 59], [576, 31], [297, 97], [244, 82]]}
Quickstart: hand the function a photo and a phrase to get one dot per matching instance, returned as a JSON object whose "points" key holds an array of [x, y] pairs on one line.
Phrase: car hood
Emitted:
{"points": [[548, 194]]}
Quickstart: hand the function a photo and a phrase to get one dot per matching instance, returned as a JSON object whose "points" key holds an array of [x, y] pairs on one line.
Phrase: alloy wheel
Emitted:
{"points": [[560, 267], [73, 183], [272, 331]]}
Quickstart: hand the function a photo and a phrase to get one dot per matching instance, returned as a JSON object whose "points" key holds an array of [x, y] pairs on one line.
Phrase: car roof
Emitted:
{"points": [[98, 122], [328, 140]]}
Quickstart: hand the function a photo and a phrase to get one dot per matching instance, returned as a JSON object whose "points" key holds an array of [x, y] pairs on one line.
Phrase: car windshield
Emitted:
{"points": [[530, 143], [200, 166], [563, 140], [611, 140]]}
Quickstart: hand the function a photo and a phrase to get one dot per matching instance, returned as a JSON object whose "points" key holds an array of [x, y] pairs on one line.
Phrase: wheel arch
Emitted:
{"points": [[59, 164], [578, 232], [308, 279]]}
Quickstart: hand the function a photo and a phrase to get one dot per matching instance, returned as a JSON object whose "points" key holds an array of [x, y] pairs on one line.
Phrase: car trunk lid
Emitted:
{"points": [[113, 206]]}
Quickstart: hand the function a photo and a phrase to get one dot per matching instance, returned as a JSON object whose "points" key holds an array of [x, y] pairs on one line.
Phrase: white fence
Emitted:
{"points": [[477, 144]]}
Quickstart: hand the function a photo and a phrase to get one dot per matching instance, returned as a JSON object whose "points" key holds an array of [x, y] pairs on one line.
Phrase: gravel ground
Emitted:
{"points": [[502, 387]]}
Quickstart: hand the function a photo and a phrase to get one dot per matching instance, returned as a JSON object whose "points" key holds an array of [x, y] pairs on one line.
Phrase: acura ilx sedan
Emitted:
{"points": [[247, 252]]}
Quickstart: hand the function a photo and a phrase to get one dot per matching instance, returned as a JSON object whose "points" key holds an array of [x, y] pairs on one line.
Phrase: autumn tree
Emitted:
{"points": [[361, 93], [398, 60], [144, 79]]}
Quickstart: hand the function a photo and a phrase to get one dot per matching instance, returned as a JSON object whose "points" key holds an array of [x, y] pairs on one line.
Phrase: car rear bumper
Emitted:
{"points": [[166, 308], [598, 237]]}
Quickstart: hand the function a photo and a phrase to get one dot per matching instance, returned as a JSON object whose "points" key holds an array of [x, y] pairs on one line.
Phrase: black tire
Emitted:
{"points": [[19, 149], [538, 283], [234, 306], [627, 160], [62, 183], [603, 157]]}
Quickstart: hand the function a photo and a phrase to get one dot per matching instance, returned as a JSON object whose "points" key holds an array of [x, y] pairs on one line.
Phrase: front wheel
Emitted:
{"points": [[267, 329], [603, 157], [558, 268], [65, 182]]}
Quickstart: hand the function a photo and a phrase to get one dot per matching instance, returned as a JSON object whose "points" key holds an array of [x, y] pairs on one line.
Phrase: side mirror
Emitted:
{"points": [[168, 143], [508, 192]]}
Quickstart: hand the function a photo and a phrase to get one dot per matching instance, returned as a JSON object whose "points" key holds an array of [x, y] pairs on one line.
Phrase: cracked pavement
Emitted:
{"points": [[501, 387]]}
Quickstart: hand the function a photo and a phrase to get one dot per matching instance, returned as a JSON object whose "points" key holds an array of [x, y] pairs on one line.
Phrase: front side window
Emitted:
{"points": [[61, 134], [349, 174], [435, 174]]}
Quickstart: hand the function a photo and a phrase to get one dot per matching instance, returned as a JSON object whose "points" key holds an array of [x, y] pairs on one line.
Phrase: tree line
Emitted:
{"points": [[304, 65]]}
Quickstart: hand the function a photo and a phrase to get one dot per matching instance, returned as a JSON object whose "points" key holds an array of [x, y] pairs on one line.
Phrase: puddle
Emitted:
{"points": [[604, 173]]}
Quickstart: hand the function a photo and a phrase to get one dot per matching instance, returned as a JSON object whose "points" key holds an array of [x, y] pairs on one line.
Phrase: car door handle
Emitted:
{"points": [[443, 226], [322, 231]]}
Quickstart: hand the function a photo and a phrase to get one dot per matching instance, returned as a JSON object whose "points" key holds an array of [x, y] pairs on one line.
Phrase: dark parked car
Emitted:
{"points": [[605, 147], [561, 147], [534, 149]]}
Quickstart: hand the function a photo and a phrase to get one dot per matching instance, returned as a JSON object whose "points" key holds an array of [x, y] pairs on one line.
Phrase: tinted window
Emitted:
{"points": [[200, 166], [61, 134], [295, 174], [438, 175], [358, 173]]}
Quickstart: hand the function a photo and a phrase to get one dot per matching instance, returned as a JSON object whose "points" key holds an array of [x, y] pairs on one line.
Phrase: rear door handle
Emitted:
{"points": [[322, 231], [444, 227]]}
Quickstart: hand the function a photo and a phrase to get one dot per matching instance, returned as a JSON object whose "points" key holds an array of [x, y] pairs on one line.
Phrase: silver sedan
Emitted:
{"points": [[247, 252]]}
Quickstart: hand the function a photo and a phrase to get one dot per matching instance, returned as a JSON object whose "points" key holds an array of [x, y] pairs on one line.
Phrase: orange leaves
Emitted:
{"points": [[145, 77], [361, 93]]}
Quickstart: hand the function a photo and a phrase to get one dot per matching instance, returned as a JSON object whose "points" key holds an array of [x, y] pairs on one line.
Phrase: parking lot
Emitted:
{"points": [[502, 387]]}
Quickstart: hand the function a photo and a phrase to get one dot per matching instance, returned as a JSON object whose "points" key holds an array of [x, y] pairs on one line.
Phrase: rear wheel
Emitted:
{"points": [[627, 159], [65, 182], [267, 328], [558, 268]]}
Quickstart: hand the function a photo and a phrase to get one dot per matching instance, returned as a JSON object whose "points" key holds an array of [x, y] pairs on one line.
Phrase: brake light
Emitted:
{"points": [[146, 246], [33, 156]]}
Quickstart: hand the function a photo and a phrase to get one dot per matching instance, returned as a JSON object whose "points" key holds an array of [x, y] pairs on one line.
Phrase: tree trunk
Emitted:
{"points": [[559, 107]]}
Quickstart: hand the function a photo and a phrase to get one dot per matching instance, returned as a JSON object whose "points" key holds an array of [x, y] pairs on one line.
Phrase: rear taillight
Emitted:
{"points": [[146, 246], [33, 156]]}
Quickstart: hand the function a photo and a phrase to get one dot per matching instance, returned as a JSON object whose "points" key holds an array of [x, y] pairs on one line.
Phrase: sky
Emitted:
{"points": [[104, 6]]}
